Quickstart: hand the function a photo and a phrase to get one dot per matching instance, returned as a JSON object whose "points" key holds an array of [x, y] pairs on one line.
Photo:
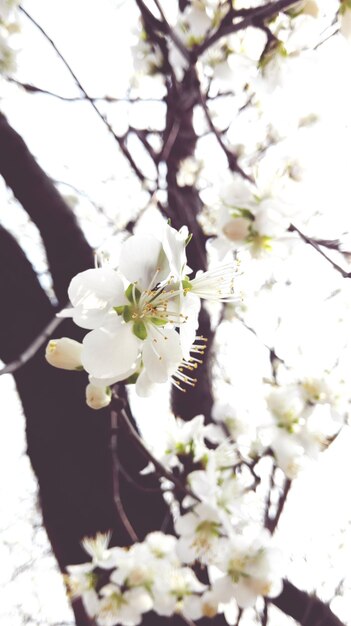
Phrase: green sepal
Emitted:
{"points": [[139, 330], [157, 321], [80, 368], [131, 380], [242, 212], [132, 293], [127, 313], [188, 239], [186, 284], [119, 309]]}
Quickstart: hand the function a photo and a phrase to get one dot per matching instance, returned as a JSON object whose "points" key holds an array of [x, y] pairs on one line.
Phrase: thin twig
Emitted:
{"points": [[231, 156], [316, 246], [177, 42], [133, 482], [272, 525], [115, 479], [249, 16], [267, 519], [32, 348], [264, 617], [91, 101], [160, 469], [110, 99]]}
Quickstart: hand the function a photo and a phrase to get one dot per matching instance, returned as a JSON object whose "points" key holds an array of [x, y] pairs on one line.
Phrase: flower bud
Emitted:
{"points": [[237, 229], [64, 353], [345, 23], [97, 397]]}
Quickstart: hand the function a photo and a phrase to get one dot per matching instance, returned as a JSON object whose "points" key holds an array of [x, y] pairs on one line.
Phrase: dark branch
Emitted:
{"points": [[55, 220], [121, 514], [249, 17], [305, 609], [33, 348], [316, 245]]}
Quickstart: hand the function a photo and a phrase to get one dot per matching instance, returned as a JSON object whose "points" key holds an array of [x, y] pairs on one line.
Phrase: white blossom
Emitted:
{"points": [[97, 397], [199, 531], [143, 315], [252, 568]]}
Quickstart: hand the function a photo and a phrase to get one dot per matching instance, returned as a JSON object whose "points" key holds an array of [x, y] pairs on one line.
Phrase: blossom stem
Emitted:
{"points": [[160, 469]]}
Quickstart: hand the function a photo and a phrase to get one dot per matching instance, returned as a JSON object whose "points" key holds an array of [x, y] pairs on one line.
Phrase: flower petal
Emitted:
{"points": [[174, 243], [141, 257], [162, 354], [144, 386], [110, 351]]}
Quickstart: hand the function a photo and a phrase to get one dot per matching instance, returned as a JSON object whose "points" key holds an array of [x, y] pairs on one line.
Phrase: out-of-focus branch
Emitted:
{"points": [[121, 514], [231, 156], [250, 16], [177, 42], [161, 471], [316, 244], [272, 523], [55, 220], [306, 609], [32, 349], [30, 88], [118, 139]]}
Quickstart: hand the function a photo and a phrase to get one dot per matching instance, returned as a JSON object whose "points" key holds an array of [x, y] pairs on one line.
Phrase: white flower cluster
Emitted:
{"points": [[119, 585], [147, 58], [295, 421], [248, 217], [142, 317], [9, 25], [307, 416]]}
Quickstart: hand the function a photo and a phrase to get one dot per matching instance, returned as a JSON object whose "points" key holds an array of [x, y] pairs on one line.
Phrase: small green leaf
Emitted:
{"points": [[119, 309], [127, 313], [132, 293], [139, 330]]}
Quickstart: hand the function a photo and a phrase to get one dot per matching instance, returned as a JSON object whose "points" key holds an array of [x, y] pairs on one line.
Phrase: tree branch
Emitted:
{"points": [[119, 140], [249, 16], [305, 609], [231, 156], [160, 469], [122, 516], [33, 348], [67, 250], [316, 245]]}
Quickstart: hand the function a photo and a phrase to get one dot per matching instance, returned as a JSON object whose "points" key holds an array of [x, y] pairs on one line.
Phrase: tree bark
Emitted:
{"points": [[67, 250], [306, 609]]}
